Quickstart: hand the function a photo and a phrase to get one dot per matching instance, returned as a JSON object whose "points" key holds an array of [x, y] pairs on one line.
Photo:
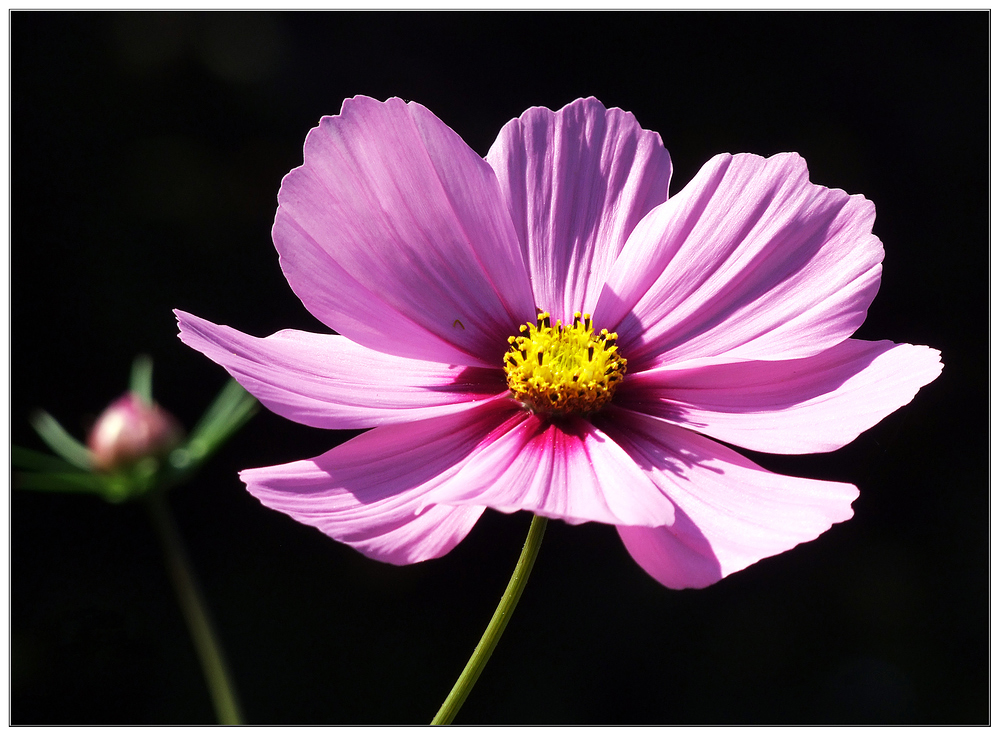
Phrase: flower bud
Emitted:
{"points": [[129, 430]]}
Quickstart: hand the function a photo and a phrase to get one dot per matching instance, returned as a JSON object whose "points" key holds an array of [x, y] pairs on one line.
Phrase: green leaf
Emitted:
{"points": [[141, 380], [231, 409], [72, 481], [61, 441], [22, 457]]}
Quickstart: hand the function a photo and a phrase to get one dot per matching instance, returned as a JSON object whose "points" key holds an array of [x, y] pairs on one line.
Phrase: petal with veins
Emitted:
{"points": [[328, 381], [750, 261], [730, 512], [577, 181], [367, 492], [393, 233], [814, 404]]}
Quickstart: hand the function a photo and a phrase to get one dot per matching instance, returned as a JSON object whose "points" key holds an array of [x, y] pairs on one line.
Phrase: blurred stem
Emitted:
{"points": [[463, 686], [213, 663]]}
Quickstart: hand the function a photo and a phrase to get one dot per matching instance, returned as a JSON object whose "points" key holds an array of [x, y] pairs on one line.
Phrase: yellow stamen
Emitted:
{"points": [[563, 370]]}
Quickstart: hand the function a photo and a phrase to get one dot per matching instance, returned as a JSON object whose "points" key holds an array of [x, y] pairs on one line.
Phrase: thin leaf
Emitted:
{"points": [[22, 457], [240, 412], [61, 441], [141, 380], [231, 409], [230, 394], [73, 481]]}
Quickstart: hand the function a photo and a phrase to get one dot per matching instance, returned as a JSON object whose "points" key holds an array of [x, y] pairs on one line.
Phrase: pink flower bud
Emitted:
{"points": [[129, 430]]}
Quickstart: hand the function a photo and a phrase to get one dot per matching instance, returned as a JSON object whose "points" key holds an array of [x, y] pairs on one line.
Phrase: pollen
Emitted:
{"points": [[563, 369]]}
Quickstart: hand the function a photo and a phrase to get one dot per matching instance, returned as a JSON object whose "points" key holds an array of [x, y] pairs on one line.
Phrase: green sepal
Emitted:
{"points": [[73, 470], [71, 481], [62, 442], [141, 379], [232, 408], [22, 457]]}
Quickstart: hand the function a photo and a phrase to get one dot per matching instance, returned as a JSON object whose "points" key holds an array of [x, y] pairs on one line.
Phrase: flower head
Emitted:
{"points": [[134, 447], [131, 429], [543, 329], [559, 371]]}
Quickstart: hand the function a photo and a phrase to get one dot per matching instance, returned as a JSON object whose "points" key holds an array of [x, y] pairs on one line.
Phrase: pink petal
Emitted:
{"points": [[730, 512], [328, 381], [800, 406], [393, 232], [570, 471], [368, 492], [748, 262], [577, 182]]}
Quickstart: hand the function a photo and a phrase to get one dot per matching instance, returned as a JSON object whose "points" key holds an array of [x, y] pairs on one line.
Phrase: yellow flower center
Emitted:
{"points": [[563, 370]]}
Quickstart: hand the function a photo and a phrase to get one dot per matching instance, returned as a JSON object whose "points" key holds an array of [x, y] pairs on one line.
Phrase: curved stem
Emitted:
{"points": [[213, 663], [463, 686]]}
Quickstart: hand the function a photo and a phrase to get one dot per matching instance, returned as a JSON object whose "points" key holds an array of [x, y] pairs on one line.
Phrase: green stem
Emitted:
{"points": [[463, 686], [213, 663]]}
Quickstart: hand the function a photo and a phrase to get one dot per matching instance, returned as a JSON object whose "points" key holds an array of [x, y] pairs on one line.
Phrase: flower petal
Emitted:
{"points": [[730, 512], [367, 491], [577, 181], [393, 233], [750, 261], [570, 471], [328, 381], [814, 404]]}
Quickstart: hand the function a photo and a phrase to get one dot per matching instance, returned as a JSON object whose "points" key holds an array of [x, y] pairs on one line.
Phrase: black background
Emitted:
{"points": [[147, 150]]}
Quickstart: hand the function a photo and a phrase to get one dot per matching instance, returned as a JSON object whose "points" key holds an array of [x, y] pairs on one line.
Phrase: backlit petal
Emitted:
{"points": [[393, 233], [367, 491], [577, 181], [328, 381], [814, 404], [570, 471], [730, 511], [750, 261]]}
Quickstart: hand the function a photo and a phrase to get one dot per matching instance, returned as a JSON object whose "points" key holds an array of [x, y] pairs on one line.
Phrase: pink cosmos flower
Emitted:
{"points": [[543, 329]]}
